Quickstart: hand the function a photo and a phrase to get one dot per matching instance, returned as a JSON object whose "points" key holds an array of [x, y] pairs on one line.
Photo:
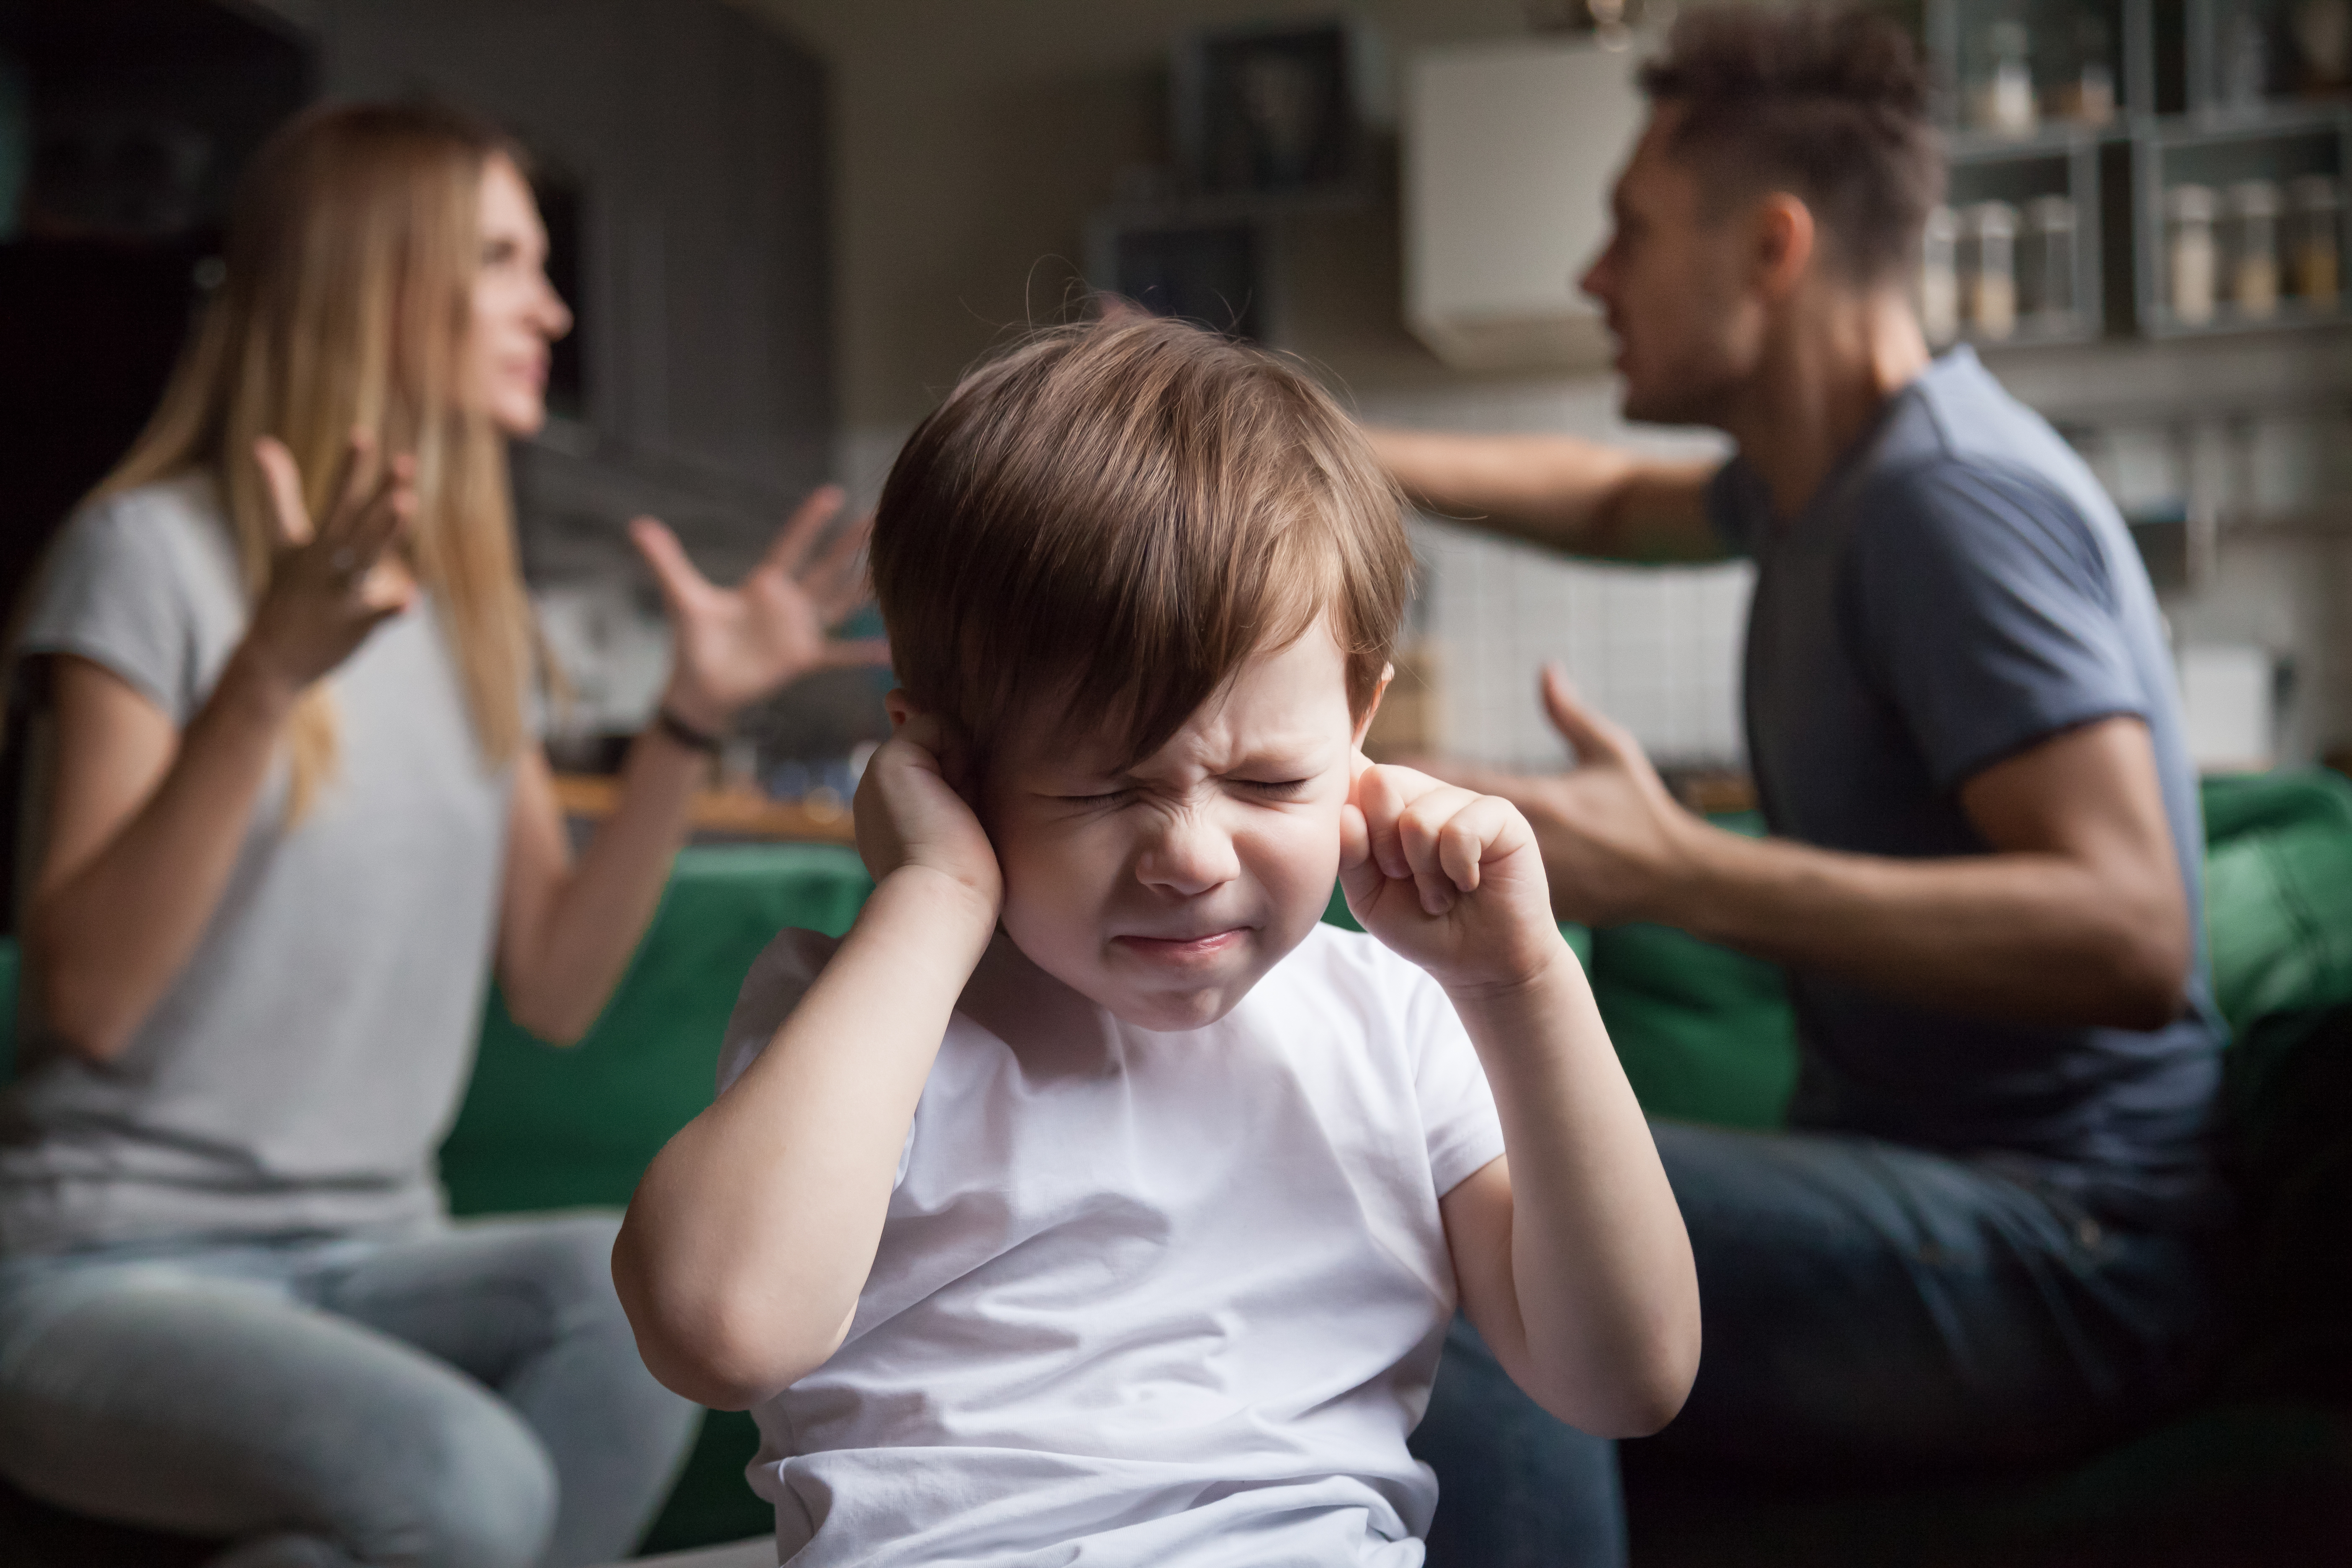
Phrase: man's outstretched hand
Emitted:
{"points": [[1616, 845]]}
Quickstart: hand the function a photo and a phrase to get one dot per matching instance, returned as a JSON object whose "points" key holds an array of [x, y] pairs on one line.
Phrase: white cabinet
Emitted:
{"points": [[1509, 151]]}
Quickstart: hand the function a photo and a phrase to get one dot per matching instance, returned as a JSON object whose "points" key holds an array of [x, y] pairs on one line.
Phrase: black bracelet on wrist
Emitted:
{"points": [[686, 735]]}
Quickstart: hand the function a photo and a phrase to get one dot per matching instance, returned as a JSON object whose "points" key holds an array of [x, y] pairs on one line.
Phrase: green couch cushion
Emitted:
{"points": [[1705, 1034], [2278, 892], [543, 1128]]}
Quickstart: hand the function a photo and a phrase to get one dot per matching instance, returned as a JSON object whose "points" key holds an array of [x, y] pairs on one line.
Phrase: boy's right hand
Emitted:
{"points": [[913, 806]]}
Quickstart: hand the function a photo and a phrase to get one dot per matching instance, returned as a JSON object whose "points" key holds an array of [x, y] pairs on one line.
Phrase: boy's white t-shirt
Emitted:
{"points": [[1164, 1299]]}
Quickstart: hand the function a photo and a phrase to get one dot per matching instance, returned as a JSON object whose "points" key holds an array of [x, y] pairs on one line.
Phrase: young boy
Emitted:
{"points": [[1089, 1201]]}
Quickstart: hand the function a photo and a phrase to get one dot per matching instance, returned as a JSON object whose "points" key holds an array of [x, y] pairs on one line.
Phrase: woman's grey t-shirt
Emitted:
{"points": [[1958, 591], [301, 1070]]}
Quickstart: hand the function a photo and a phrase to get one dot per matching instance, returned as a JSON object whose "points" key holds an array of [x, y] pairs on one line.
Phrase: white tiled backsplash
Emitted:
{"points": [[1658, 650]]}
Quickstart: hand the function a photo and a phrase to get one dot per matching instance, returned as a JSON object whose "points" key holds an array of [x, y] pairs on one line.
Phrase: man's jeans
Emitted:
{"points": [[470, 1397], [1869, 1310]]}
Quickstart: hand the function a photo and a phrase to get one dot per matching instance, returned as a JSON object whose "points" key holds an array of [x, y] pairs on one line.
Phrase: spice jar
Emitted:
{"points": [[2045, 263], [2190, 263], [2086, 92], [2316, 239], [2002, 98], [2254, 248], [1939, 277], [1989, 269]]}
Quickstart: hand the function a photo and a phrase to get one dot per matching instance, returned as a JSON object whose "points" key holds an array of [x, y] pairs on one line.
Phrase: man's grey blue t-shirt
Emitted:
{"points": [[1960, 589]]}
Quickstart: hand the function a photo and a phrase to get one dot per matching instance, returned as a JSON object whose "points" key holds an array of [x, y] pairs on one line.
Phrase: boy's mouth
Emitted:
{"points": [[1202, 949]]}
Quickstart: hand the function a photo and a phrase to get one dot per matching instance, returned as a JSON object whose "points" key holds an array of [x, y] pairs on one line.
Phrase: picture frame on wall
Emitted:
{"points": [[1275, 113]]}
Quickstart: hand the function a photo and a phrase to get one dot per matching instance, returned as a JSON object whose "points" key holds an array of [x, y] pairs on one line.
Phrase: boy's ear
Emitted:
{"points": [[1364, 724], [899, 706]]}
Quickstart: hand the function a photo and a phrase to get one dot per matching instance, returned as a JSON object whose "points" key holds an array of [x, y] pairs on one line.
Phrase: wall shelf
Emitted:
{"points": [[2185, 111]]}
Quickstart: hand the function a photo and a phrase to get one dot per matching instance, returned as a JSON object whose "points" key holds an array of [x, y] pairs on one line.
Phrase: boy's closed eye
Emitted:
{"points": [[1119, 794]]}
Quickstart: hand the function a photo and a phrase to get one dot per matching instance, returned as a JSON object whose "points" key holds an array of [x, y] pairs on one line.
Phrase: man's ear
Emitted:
{"points": [[1785, 239], [1364, 724]]}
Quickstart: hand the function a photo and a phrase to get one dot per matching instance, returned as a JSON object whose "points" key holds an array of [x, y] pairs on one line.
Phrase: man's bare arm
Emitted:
{"points": [[1561, 492], [2078, 916]]}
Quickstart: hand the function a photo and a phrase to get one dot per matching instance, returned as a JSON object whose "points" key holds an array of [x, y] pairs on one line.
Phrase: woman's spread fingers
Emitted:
{"points": [[289, 519], [802, 530], [836, 582], [385, 516], [672, 571], [855, 652], [356, 478]]}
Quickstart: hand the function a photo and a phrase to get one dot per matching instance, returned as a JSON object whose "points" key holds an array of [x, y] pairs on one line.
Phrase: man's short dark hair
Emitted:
{"points": [[1828, 103]]}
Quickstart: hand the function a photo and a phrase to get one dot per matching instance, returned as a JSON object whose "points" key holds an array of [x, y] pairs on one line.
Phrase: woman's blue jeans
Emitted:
{"points": [[469, 1397], [1870, 1311]]}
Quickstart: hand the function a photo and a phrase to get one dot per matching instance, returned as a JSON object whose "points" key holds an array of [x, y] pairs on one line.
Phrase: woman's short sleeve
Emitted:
{"points": [[117, 590]]}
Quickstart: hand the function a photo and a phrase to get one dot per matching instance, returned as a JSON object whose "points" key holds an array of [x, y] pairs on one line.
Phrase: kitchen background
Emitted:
{"points": [[788, 224]]}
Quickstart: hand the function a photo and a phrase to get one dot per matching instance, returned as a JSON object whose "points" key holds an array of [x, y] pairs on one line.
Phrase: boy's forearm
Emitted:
{"points": [[747, 1241], [1600, 1266]]}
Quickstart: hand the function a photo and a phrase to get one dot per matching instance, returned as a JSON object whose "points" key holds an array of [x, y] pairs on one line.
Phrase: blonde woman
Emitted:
{"points": [[294, 815]]}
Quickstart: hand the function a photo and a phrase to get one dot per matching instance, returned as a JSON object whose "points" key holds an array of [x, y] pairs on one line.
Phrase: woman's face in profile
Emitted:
{"points": [[516, 311]]}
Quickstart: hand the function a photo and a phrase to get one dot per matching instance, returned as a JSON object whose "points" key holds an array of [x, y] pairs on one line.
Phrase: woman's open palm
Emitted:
{"points": [[735, 645]]}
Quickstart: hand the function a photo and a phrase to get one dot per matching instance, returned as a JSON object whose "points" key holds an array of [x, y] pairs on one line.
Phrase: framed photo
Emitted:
{"points": [[1273, 111]]}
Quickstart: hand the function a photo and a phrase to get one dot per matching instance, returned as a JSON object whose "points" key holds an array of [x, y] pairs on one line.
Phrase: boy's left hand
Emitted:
{"points": [[1449, 878]]}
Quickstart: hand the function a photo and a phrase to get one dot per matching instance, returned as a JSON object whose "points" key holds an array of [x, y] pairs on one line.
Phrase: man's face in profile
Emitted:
{"points": [[1670, 284]]}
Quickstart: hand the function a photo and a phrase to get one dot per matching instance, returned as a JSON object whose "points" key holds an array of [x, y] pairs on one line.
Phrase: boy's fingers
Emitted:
{"points": [[1469, 838], [1376, 797]]}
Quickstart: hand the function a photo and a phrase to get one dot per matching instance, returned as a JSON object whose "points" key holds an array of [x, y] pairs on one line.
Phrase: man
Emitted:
{"points": [[1983, 1242]]}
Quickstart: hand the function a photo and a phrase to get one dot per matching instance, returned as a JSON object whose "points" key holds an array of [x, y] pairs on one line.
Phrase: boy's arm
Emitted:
{"points": [[743, 1251], [1570, 1252]]}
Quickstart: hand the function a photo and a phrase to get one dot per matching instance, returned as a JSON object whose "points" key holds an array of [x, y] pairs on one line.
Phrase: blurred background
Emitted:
{"points": [[787, 225]]}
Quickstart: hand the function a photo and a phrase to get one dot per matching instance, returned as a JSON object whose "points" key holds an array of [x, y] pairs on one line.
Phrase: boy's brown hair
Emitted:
{"points": [[1116, 516]]}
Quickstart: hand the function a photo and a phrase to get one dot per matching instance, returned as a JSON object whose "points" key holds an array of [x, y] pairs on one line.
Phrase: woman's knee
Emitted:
{"points": [[464, 1484]]}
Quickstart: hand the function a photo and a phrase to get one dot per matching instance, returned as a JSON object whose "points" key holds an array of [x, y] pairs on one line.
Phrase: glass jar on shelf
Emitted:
{"points": [[1988, 269], [2314, 246], [1939, 277], [2001, 98], [2191, 261], [2254, 248], [2085, 93], [2242, 70], [2045, 264]]}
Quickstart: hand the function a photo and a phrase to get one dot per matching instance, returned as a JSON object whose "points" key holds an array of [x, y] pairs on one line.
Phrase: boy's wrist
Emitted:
{"points": [[943, 895], [1528, 980]]}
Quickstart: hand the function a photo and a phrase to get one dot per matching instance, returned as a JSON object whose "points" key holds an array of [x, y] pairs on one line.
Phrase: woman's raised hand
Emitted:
{"points": [[329, 582], [735, 645]]}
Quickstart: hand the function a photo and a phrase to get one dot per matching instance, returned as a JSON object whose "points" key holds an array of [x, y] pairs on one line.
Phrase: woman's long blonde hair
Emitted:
{"points": [[346, 302]]}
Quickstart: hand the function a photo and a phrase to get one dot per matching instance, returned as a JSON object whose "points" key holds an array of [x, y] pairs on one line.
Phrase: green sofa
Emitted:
{"points": [[2261, 1473]]}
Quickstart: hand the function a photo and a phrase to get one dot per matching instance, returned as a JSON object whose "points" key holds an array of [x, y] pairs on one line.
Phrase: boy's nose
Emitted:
{"points": [[1188, 856]]}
